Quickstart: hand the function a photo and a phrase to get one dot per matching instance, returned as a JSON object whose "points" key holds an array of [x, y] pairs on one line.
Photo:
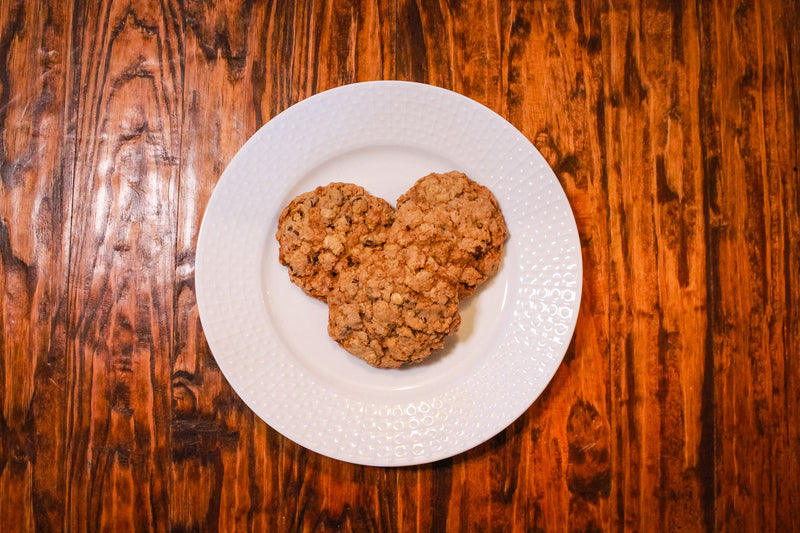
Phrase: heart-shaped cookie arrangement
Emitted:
{"points": [[393, 278]]}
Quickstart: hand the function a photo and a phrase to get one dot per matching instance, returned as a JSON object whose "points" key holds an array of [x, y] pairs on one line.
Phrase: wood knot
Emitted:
{"points": [[588, 470]]}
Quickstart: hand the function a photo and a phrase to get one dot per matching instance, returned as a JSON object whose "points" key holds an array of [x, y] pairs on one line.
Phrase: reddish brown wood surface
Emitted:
{"points": [[673, 128]]}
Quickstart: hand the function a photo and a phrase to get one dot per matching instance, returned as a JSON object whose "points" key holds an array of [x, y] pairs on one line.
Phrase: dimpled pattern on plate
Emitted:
{"points": [[543, 255]]}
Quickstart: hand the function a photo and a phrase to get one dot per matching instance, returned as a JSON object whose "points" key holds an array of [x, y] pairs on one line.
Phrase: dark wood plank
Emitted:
{"points": [[35, 192], [750, 107], [128, 97], [338, 42], [662, 462], [456, 46], [237, 76]]}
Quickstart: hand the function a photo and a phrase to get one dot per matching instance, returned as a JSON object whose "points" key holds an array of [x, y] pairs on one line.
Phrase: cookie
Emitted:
{"points": [[330, 229], [394, 308], [457, 222]]}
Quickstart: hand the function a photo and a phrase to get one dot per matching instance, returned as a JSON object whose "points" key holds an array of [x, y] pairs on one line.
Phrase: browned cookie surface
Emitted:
{"points": [[457, 222], [330, 229], [394, 308]]}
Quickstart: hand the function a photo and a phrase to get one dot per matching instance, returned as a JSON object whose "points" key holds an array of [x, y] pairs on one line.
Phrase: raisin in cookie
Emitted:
{"points": [[394, 308], [455, 221], [325, 231]]}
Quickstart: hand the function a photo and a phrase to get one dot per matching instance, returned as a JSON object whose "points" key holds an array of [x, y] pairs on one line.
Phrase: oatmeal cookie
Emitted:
{"points": [[394, 308], [455, 221], [325, 231]]}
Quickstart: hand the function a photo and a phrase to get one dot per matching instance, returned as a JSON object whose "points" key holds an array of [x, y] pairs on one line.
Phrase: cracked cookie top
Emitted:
{"points": [[330, 229], [394, 308], [455, 221]]}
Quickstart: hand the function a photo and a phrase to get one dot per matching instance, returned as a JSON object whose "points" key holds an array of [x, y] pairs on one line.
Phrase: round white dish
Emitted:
{"points": [[270, 339]]}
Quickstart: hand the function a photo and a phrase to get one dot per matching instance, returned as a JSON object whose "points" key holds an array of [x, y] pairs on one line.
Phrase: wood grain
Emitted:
{"points": [[672, 127], [122, 267], [338, 42], [751, 161], [235, 79], [662, 463], [35, 200]]}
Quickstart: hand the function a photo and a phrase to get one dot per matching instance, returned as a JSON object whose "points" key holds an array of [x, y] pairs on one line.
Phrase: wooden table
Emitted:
{"points": [[673, 128]]}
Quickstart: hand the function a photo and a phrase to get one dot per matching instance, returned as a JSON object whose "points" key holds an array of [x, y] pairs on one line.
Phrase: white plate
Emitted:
{"points": [[270, 339]]}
